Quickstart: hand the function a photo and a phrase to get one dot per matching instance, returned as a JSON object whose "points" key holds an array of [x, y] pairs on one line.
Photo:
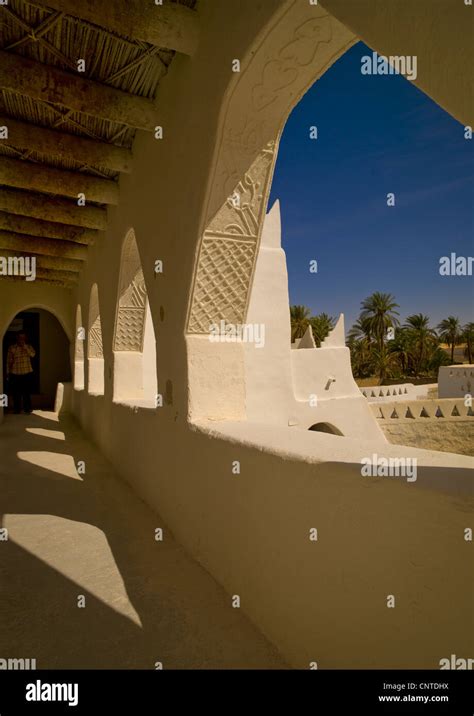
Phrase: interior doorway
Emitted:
{"points": [[51, 363]]}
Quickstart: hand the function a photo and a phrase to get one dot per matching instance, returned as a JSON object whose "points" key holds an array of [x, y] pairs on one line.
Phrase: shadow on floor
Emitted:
{"points": [[146, 601]]}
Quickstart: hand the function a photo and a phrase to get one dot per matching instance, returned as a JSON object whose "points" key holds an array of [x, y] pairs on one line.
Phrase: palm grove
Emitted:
{"points": [[381, 346]]}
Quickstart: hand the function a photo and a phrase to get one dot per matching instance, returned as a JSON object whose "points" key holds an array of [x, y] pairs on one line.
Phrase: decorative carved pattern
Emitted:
{"points": [[95, 340], [228, 250], [221, 282], [281, 72], [130, 324], [256, 110], [129, 333], [262, 96], [94, 343]]}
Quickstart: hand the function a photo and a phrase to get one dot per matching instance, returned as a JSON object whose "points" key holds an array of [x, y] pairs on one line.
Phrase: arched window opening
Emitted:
{"points": [[95, 352], [135, 378], [325, 428], [79, 351]]}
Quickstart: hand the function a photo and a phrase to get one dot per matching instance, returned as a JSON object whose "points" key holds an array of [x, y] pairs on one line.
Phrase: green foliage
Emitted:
{"points": [[321, 325], [414, 351], [449, 331], [301, 318]]}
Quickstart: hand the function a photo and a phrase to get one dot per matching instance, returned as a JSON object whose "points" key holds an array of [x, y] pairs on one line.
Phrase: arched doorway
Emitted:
{"points": [[51, 362]]}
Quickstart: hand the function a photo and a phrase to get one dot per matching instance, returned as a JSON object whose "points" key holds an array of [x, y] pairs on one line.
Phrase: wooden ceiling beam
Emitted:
{"points": [[39, 177], [89, 152], [45, 262], [47, 229], [173, 27], [46, 277], [49, 84], [48, 247], [52, 209]]}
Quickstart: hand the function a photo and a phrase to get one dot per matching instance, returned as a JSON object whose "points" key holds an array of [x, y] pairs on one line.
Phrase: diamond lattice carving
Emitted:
{"points": [[95, 340], [222, 282], [129, 333], [229, 249], [131, 316]]}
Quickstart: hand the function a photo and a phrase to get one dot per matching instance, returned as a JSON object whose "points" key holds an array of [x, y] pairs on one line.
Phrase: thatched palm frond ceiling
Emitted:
{"points": [[71, 130]]}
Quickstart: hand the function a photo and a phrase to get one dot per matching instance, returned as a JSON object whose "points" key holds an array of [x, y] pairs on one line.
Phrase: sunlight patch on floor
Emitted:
{"points": [[45, 433], [79, 552], [53, 461], [47, 415]]}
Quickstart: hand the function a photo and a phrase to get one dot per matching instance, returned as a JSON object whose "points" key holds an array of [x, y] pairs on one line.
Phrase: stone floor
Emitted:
{"points": [[87, 538]]}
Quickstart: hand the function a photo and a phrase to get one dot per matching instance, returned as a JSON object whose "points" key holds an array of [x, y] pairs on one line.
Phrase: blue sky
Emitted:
{"points": [[376, 134]]}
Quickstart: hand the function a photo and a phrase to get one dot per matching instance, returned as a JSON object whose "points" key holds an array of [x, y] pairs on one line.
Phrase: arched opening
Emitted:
{"points": [[46, 365], [297, 50], [79, 351], [398, 151], [134, 346], [325, 428], [95, 351]]}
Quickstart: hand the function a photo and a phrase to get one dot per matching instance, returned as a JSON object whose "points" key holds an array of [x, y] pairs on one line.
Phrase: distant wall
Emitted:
{"points": [[455, 381], [449, 436], [55, 363]]}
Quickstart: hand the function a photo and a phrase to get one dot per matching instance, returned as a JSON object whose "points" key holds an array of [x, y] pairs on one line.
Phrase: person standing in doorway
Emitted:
{"points": [[20, 372]]}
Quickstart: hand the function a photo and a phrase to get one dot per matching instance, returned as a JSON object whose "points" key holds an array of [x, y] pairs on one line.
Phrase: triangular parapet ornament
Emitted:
{"points": [[308, 339], [229, 248], [337, 337]]}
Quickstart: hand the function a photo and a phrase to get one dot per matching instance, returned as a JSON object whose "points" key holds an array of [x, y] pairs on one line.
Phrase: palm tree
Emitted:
{"points": [[437, 358], [400, 347], [383, 361], [300, 318], [378, 310], [359, 330], [468, 336], [422, 337], [449, 331], [360, 358], [322, 325]]}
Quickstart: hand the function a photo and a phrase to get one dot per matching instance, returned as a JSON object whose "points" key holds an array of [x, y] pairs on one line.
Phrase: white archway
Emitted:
{"points": [[300, 43], [95, 350], [80, 337], [134, 345]]}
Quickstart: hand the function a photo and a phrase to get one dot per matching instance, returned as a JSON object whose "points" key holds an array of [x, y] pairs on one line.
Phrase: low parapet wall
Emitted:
{"points": [[444, 409], [384, 391]]}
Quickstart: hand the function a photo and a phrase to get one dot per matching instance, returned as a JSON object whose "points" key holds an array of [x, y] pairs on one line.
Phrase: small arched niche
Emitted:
{"points": [[134, 346], [79, 351], [95, 351], [325, 428]]}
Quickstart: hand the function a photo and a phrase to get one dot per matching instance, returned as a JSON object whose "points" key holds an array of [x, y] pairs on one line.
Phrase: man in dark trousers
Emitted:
{"points": [[19, 372]]}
